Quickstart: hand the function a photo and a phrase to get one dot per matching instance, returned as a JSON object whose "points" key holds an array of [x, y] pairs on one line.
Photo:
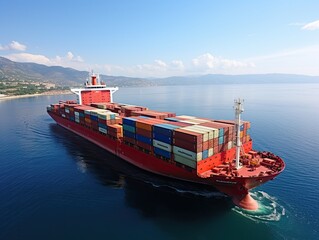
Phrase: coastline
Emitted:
{"points": [[61, 92]]}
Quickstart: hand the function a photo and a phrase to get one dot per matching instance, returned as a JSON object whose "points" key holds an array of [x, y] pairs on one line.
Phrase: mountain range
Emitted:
{"points": [[17, 71]]}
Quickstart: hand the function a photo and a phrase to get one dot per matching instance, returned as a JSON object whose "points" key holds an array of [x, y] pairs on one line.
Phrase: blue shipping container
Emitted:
{"points": [[129, 121], [129, 134], [102, 125], [143, 139], [162, 138], [220, 140], [221, 132], [205, 154], [129, 128], [172, 119], [162, 152], [164, 129], [94, 118]]}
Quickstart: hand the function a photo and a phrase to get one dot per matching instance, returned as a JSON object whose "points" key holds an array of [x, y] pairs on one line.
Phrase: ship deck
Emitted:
{"points": [[252, 165]]}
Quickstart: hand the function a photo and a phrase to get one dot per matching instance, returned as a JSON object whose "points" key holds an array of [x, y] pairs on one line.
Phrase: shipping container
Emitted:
{"points": [[191, 146], [189, 136], [143, 139], [185, 161], [163, 153], [162, 145], [162, 138], [187, 154], [129, 128]]}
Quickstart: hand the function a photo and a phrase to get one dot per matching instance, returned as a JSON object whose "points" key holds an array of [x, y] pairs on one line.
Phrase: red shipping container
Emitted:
{"points": [[114, 134], [217, 125], [205, 145], [194, 147], [95, 125], [216, 149], [130, 140], [210, 143], [115, 128], [144, 132], [188, 136], [144, 145]]}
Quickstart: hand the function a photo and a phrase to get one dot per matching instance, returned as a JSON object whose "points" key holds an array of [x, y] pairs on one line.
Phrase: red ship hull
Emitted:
{"points": [[236, 187]]}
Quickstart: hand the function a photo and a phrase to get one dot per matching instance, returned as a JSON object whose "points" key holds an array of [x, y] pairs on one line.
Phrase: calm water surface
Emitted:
{"points": [[56, 185]]}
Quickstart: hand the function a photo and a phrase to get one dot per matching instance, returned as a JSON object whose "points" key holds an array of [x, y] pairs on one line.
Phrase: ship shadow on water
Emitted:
{"points": [[152, 195]]}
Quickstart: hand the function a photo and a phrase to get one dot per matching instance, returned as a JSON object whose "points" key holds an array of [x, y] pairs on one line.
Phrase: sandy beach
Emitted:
{"points": [[61, 92]]}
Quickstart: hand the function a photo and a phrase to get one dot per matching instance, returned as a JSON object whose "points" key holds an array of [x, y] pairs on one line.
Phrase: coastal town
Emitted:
{"points": [[18, 89]]}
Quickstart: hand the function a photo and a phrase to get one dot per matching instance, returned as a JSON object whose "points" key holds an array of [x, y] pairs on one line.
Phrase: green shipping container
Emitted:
{"points": [[185, 161]]}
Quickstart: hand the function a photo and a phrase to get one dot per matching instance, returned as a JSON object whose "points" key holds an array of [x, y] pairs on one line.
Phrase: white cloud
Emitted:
{"points": [[178, 64], [158, 68], [311, 26], [14, 45], [69, 56], [28, 57], [210, 64], [160, 63], [69, 60]]}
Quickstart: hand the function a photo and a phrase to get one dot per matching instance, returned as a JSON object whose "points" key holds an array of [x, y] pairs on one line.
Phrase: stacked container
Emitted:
{"points": [[163, 139], [187, 140], [153, 114], [188, 146]]}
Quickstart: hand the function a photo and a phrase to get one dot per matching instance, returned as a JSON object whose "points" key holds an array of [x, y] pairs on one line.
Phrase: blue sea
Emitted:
{"points": [[56, 185]]}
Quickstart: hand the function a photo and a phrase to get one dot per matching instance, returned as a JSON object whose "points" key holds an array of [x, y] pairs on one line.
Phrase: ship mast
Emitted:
{"points": [[238, 106]]}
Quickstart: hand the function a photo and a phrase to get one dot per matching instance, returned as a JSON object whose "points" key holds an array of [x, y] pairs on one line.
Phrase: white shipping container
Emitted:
{"points": [[186, 117], [77, 114], [188, 121], [164, 146], [103, 130], [210, 152], [197, 130], [211, 129], [95, 112], [198, 121], [188, 154], [107, 115], [185, 161], [67, 110], [208, 130]]}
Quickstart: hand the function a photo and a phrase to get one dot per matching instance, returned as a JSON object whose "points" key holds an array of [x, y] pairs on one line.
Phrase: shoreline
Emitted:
{"points": [[62, 92]]}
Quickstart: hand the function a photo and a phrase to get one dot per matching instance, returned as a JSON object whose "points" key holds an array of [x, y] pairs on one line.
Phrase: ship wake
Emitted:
{"points": [[269, 209], [188, 190]]}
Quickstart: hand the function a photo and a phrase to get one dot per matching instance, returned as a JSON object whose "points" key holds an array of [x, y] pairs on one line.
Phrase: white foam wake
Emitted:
{"points": [[269, 209], [186, 190]]}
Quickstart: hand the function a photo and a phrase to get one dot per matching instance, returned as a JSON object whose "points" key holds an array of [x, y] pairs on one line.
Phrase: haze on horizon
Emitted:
{"points": [[162, 38]]}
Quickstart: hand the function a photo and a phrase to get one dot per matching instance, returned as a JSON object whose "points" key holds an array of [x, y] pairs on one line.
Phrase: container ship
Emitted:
{"points": [[200, 150]]}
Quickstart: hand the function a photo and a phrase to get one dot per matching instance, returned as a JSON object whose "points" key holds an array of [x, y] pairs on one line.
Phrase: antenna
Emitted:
{"points": [[238, 106]]}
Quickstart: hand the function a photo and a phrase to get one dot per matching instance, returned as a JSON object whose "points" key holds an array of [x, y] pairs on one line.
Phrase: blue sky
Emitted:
{"points": [[159, 38]]}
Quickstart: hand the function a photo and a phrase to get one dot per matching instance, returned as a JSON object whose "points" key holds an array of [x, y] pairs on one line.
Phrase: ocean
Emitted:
{"points": [[56, 185]]}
